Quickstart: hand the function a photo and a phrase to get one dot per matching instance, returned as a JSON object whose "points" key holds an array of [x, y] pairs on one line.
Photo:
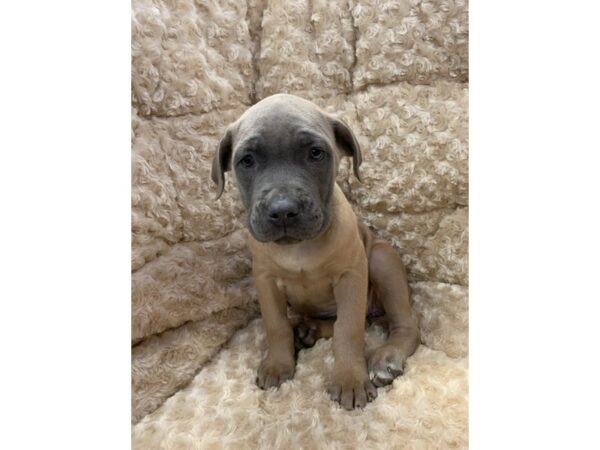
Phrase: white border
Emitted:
{"points": [[534, 227], [64, 179], [65, 264]]}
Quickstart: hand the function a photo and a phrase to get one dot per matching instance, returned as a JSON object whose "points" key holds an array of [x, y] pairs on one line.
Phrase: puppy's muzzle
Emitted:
{"points": [[285, 215]]}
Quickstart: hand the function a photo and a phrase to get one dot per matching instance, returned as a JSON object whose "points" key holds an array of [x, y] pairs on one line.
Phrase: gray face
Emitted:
{"points": [[283, 153], [285, 175]]}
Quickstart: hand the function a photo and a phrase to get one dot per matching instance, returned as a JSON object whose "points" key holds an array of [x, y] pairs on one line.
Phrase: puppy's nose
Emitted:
{"points": [[282, 210]]}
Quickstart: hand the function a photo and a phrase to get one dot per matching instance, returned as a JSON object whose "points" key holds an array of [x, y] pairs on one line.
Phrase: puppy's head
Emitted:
{"points": [[285, 153]]}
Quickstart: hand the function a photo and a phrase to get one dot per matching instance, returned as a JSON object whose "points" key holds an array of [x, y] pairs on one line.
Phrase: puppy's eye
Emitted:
{"points": [[247, 161], [316, 154]]}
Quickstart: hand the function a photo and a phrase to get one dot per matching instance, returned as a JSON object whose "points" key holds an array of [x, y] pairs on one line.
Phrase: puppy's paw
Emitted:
{"points": [[305, 335], [386, 364], [352, 392], [272, 372]]}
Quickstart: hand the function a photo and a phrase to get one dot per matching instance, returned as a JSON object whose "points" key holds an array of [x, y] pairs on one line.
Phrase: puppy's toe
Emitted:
{"points": [[347, 399], [386, 364], [353, 393], [304, 336], [371, 391], [360, 398], [334, 392], [273, 373]]}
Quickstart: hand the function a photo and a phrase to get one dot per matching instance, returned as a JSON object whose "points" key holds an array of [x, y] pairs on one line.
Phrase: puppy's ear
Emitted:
{"points": [[347, 142], [222, 162]]}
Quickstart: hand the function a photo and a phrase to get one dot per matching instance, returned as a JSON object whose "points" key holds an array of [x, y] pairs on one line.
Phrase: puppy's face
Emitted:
{"points": [[285, 173], [284, 152]]}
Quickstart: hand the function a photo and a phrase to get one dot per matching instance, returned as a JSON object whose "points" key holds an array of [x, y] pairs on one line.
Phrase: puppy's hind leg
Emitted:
{"points": [[388, 276], [308, 331]]}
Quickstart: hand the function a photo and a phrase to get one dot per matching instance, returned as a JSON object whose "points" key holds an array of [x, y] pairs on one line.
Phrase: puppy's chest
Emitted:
{"points": [[307, 284], [306, 293]]}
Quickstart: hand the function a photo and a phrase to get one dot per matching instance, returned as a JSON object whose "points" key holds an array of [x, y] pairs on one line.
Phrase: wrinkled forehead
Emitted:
{"points": [[280, 122]]}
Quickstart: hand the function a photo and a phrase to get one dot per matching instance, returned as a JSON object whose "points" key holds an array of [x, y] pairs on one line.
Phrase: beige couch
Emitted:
{"points": [[397, 72]]}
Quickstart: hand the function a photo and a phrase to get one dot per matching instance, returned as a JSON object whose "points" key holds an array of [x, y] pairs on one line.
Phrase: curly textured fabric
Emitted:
{"points": [[192, 281], [189, 57], [223, 408], [414, 141], [410, 40], [165, 362], [170, 183], [306, 46], [396, 72], [155, 215], [443, 311]]}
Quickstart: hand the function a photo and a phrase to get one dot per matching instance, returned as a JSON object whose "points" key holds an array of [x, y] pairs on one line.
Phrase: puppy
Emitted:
{"points": [[310, 252]]}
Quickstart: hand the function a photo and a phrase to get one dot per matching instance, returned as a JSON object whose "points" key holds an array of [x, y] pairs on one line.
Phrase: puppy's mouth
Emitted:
{"points": [[286, 235], [287, 240], [282, 237]]}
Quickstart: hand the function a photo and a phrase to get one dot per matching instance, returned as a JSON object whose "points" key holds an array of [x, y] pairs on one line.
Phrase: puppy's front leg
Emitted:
{"points": [[351, 385], [279, 364]]}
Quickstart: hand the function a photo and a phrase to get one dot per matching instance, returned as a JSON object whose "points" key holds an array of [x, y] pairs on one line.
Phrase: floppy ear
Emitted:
{"points": [[222, 162], [346, 141]]}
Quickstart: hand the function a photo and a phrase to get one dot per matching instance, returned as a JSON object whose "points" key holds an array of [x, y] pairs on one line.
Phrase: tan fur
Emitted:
{"points": [[326, 274], [330, 275], [307, 271]]}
